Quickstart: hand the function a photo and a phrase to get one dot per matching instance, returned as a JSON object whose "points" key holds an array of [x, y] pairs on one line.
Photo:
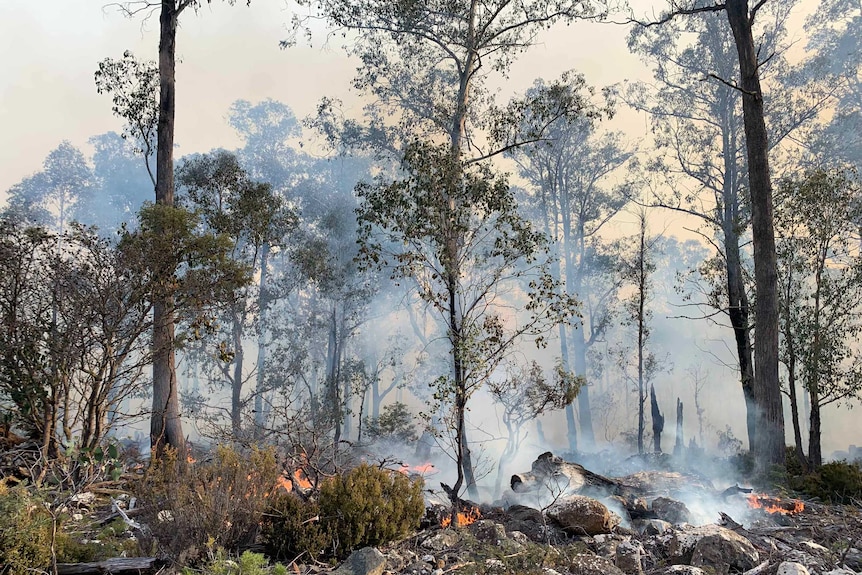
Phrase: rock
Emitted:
{"points": [[519, 537], [588, 564], [680, 570], [524, 513], [629, 557], [724, 550], [710, 546], [657, 527], [671, 510], [489, 531], [441, 540], [583, 515], [791, 568], [365, 561], [606, 544]]}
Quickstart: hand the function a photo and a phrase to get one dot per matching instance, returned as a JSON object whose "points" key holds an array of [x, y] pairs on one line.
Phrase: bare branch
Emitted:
{"points": [[678, 12], [753, 12], [731, 85]]}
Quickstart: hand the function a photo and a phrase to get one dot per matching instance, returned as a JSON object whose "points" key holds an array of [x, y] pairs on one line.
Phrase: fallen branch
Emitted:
{"points": [[757, 570], [116, 566]]}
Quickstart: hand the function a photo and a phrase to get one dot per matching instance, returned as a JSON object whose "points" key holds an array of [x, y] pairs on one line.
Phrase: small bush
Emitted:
{"points": [[25, 531], [218, 503], [246, 564], [291, 529], [836, 482], [368, 506]]}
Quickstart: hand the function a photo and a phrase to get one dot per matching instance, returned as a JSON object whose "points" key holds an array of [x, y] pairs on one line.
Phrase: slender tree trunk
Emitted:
{"points": [[237, 380], [769, 427], [642, 332], [679, 443], [165, 423], [260, 382], [738, 310], [815, 455], [791, 369]]}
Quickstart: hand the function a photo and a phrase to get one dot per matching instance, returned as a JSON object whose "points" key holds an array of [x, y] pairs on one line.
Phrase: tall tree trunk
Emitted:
{"points": [[738, 310], [815, 454], [165, 423], [237, 380], [769, 426], [260, 381]]}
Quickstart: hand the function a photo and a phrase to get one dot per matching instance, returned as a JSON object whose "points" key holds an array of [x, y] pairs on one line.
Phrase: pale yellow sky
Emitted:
{"points": [[51, 49]]}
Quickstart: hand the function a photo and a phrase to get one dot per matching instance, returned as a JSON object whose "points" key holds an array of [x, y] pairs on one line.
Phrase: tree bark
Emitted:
{"points": [[165, 423], [769, 426]]}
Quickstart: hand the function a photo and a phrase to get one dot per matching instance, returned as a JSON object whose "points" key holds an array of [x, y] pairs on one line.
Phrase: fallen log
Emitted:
{"points": [[114, 566]]}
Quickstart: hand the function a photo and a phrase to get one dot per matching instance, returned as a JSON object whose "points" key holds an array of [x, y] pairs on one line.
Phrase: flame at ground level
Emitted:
{"points": [[463, 518], [775, 504]]}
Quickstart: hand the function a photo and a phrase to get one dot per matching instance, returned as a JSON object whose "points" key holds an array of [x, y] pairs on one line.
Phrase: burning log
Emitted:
{"points": [[462, 518], [775, 505], [550, 472]]}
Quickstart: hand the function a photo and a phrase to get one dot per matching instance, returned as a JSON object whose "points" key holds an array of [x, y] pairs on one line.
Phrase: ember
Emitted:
{"points": [[463, 518], [775, 504]]}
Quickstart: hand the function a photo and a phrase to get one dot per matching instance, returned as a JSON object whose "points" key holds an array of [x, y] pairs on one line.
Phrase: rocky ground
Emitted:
{"points": [[579, 536]]}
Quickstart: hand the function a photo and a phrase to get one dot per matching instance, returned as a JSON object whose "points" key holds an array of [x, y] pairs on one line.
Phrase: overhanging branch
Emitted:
{"points": [[679, 12]]}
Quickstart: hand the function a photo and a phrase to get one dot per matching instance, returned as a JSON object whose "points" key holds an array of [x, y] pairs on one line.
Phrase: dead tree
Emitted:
{"points": [[657, 420], [680, 440]]}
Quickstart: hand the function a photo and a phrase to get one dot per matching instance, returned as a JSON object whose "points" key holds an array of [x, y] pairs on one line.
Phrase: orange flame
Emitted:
{"points": [[423, 469], [298, 478], [463, 518], [775, 504]]}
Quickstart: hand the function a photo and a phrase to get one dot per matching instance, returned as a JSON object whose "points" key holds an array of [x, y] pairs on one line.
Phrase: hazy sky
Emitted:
{"points": [[51, 49]]}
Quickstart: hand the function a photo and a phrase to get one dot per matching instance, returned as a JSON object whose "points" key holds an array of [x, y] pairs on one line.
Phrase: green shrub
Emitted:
{"points": [[25, 531], [291, 529], [368, 506], [246, 564], [836, 482], [214, 504]]}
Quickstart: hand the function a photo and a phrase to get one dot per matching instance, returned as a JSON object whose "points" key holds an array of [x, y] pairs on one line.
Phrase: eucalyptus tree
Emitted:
{"points": [[569, 188], [820, 273], [702, 127], [836, 44], [407, 230], [166, 423], [54, 196], [122, 185], [636, 269], [424, 65], [326, 257], [254, 218]]}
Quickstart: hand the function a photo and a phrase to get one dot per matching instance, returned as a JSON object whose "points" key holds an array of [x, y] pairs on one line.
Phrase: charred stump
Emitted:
{"points": [[657, 420]]}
